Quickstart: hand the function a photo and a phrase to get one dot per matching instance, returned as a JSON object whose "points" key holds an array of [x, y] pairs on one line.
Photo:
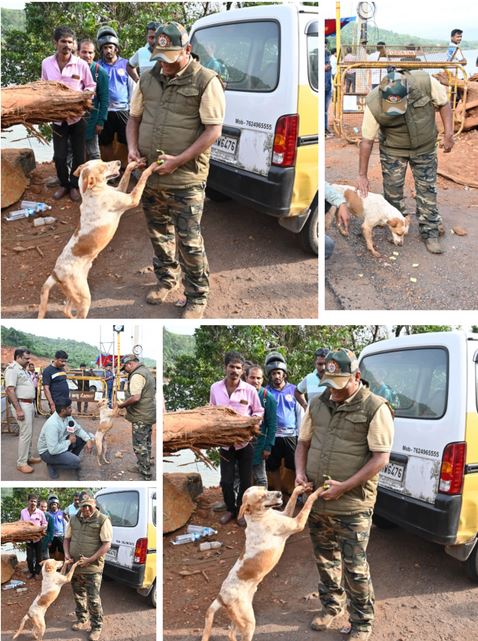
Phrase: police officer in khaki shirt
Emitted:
{"points": [[21, 394]]}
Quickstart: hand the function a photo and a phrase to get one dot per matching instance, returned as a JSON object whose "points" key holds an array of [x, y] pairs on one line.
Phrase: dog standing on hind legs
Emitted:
{"points": [[52, 582], [100, 212], [266, 534], [106, 423]]}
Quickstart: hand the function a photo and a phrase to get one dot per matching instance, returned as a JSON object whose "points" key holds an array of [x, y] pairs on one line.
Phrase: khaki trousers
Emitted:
{"points": [[25, 433]]}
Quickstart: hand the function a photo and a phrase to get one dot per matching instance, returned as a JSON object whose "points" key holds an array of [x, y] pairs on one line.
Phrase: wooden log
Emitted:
{"points": [[42, 101], [9, 563], [21, 531], [205, 427]]}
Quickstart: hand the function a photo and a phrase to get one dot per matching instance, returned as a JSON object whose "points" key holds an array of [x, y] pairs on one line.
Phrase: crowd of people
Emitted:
{"points": [[62, 439], [168, 109]]}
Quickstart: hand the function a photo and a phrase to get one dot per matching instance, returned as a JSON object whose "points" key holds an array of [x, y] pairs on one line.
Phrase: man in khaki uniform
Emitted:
{"points": [[176, 114], [88, 538], [21, 394], [344, 441], [140, 406]]}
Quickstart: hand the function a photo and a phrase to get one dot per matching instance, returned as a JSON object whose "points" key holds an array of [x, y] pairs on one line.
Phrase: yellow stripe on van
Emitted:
{"points": [[150, 569], [307, 163], [467, 527]]}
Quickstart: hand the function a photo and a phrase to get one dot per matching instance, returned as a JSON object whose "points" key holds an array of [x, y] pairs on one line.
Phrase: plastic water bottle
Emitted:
{"points": [[209, 545], [19, 213], [47, 220], [36, 206], [186, 538], [203, 530]]}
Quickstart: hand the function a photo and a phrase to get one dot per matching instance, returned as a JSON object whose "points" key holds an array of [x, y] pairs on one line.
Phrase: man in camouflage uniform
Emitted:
{"points": [[344, 441], [402, 111], [87, 539], [140, 406], [176, 114]]}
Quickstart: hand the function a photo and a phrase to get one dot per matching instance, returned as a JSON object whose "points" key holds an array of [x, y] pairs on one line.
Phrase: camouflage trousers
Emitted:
{"points": [[340, 544], [424, 170], [142, 447], [174, 226], [86, 592]]}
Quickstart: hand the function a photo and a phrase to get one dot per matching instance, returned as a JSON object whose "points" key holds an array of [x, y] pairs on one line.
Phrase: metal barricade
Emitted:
{"points": [[81, 397], [347, 121]]}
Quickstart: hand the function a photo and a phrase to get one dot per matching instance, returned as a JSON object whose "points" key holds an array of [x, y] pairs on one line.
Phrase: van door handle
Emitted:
{"points": [[399, 458], [471, 468]]}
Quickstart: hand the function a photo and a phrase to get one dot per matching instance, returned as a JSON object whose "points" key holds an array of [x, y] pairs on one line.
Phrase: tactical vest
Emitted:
{"points": [[145, 409], [413, 133], [171, 122], [339, 449], [85, 540]]}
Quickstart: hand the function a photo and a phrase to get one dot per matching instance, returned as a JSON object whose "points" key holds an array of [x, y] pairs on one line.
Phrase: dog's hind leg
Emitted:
{"points": [[243, 620], [213, 608], [39, 627], [105, 449], [22, 625], [99, 436], [44, 294]]}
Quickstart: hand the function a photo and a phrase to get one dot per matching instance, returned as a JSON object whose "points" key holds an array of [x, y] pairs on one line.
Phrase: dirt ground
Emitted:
{"points": [[421, 593], [257, 268], [124, 611], [119, 442], [357, 280]]}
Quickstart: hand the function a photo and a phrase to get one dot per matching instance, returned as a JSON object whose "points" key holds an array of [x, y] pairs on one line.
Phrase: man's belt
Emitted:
{"points": [[25, 400]]}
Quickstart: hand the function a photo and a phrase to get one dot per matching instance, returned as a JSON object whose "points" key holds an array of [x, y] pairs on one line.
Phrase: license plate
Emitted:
{"points": [[392, 473], [224, 147], [112, 554]]}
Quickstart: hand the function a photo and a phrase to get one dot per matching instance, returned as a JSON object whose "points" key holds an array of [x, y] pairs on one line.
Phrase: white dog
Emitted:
{"points": [[375, 211]]}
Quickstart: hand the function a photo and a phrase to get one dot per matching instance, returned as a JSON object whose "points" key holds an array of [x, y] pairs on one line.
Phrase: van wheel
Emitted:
{"points": [[309, 235], [216, 196], [382, 523], [152, 596], [471, 564]]}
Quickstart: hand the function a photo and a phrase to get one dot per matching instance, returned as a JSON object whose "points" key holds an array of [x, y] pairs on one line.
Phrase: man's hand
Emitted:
{"points": [[266, 454], [84, 561], [20, 414], [334, 490], [52, 407], [99, 129], [362, 186], [343, 217], [301, 479], [167, 166], [448, 142], [68, 558], [133, 154], [72, 439]]}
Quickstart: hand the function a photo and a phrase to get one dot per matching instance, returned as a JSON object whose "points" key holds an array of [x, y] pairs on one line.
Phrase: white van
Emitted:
{"points": [[430, 486], [267, 156], [132, 556]]}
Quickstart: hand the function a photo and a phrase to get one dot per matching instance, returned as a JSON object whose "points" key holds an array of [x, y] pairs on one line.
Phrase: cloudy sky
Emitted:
{"points": [[425, 18], [145, 332]]}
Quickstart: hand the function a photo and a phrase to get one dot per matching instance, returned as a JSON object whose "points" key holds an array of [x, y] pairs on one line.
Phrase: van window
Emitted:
{"points": [[244, 54], [121, 507], [414, 381], [313, 60]]}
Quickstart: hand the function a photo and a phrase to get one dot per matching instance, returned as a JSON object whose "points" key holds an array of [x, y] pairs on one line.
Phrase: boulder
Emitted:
{"points": [[17, 164], [177, 502], [9, 563]]}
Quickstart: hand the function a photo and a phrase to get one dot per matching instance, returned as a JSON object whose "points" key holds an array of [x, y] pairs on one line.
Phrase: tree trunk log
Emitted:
{"points": [[205, 427], [42, 101], [21, 531]]}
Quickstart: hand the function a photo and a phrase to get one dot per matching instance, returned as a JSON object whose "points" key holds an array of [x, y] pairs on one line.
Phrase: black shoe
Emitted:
{"points": [[52, 472]]}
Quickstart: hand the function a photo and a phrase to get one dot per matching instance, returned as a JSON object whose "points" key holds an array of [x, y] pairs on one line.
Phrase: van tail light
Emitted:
{"points": [[452, 468], [285, 141], [140, 551]]}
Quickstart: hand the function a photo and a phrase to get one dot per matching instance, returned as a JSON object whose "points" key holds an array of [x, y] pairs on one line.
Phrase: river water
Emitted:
{"points": [[185, 462]]}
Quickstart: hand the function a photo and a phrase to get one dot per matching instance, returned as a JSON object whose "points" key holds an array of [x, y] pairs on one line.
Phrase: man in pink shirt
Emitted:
{"points": [[35, 515], [73, 72], [233, 392]]}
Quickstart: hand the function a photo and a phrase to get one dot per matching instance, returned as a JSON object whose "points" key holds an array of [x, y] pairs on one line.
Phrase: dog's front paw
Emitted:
{"points": [[310, 596]]}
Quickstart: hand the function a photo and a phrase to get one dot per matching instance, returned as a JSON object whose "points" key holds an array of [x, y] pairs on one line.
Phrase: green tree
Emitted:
{"points": [[15, 499], [189, 377]]}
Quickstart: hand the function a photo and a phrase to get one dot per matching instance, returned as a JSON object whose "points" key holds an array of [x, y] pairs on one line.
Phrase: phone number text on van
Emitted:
{"points": [[257, 125], [418, 450]]}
